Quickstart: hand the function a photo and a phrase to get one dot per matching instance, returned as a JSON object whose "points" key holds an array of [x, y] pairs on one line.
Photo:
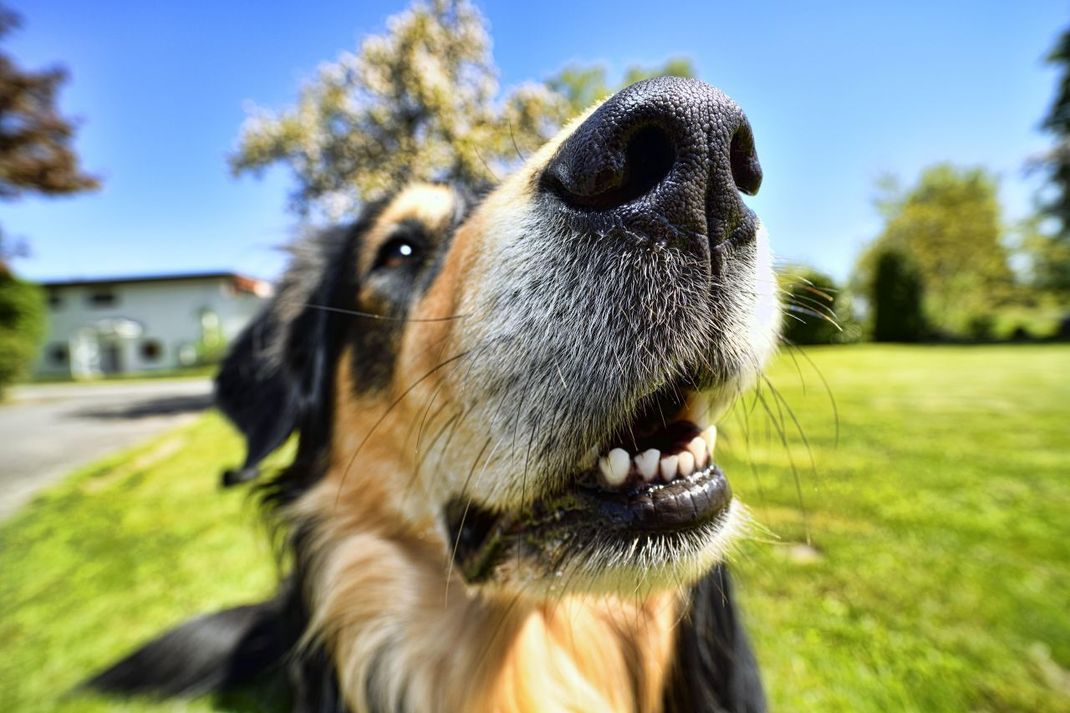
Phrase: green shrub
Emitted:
{"points": [[981, 327], [817, 310], [896, 298], [22, 325]]}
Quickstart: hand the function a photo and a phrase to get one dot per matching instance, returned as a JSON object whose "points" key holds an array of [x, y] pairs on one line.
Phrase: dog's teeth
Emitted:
{"points": [[710, 436], [668, 467], [647, 463], [619, 465], [605, 470], [687, 464], [697, 448]]}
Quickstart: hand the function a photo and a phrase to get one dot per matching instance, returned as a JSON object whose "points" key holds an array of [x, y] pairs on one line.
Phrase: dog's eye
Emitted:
{"points": [[397, 252]]}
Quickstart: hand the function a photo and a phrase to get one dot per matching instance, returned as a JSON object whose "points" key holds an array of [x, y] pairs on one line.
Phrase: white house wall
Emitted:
{"points": [[168, 312]]}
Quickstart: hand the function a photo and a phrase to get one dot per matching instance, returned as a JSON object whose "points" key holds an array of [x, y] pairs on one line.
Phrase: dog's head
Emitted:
{"points": [[527, 382]]}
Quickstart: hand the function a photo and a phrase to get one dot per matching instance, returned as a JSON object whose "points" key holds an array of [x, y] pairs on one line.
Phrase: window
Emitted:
{"points": [[103, 297], [151, 350], [55, 299], [58, 354]]}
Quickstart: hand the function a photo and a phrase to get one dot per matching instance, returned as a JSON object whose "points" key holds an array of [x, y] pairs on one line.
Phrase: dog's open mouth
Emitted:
{"points": [[655, 479]]}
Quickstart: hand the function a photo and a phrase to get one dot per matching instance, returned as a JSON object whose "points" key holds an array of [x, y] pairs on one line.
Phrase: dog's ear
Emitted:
{"points": [[275, 378], [713, 668]]}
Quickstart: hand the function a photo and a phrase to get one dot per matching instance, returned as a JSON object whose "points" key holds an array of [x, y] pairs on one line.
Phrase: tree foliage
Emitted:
{"points": [[22, 322], [419, 102], [583, 85], [36, 157], [1057, 122], [1046, 267], [1048, 251], [948, 225], [35, 150]]}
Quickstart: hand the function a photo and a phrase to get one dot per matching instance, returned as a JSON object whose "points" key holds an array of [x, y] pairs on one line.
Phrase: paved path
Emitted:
{"points": [[47, 430]]}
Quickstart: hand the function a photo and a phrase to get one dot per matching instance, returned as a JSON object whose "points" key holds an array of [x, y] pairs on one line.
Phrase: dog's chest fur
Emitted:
{"points": [[404, 639]]}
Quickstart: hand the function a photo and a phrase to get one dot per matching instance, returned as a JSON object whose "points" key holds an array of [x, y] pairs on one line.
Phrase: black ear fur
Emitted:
{"points": [[260, 399], [714, 670], [275, 378], [210, 653]]}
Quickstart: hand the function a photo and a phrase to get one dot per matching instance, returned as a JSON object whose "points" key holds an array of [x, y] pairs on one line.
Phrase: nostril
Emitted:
{"points": [[746, 171], [649, 156]]}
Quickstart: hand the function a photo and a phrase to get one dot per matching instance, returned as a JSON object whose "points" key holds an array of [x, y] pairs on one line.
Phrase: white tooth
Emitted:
{"points": [[687, 463], [619, 465], [668, 467], [710, 436], [603, 467], [647, 463], [697, 448]]}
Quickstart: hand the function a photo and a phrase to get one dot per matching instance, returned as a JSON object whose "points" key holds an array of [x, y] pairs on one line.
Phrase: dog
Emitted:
{"points": [[504, 496]]}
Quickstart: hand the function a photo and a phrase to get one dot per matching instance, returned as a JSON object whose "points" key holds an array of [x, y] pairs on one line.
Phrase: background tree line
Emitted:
{"points": [[946, 266], [422, 102]]}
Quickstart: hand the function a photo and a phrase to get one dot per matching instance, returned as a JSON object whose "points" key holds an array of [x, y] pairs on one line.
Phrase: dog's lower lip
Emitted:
{"points": [[585, 513], [659, 507]]}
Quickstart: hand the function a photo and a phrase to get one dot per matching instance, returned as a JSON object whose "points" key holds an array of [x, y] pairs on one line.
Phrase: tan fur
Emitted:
{"points": [[429, 204], [383, 596], [384, 599], [476, 236]]}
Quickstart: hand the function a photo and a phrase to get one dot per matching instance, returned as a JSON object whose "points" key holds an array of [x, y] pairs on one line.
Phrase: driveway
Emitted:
{"points": [[49, 429]]}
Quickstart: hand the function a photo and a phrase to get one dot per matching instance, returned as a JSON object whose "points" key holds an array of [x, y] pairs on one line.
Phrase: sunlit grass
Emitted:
{"points": [[937, 577], [118, 552]]}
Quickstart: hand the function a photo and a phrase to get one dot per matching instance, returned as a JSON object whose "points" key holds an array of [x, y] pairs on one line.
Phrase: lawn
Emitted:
{"points": [[918, 562]]}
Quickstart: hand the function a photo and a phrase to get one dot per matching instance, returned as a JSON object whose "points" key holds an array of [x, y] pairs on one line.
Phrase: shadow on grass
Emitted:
{"points": [[167, 406]]}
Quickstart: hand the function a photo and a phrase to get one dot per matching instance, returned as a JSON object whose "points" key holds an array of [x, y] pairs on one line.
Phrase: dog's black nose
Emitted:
{"points": [[666, 156]]}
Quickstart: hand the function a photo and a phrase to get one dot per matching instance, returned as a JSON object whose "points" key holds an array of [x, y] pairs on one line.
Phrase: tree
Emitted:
{"points": [[949, 226], [1048, 249], [35, 156], [582, 86], [418, 103], [1057, 122], [22, 321], [35, 150], [896, 297], [1046, 258]]}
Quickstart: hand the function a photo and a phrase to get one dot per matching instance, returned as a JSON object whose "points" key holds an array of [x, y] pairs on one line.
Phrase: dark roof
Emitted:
{"points": [[131, 279]]}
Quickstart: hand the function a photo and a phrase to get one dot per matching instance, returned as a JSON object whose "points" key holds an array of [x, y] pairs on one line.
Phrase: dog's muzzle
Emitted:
{"points": [[651, 178]]}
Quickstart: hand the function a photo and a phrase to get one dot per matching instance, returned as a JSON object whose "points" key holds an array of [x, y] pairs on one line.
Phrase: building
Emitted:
{"points": [[143, 324]]}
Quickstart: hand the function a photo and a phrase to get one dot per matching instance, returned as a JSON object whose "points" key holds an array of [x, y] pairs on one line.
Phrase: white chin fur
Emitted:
{"points": [[631, 573]]}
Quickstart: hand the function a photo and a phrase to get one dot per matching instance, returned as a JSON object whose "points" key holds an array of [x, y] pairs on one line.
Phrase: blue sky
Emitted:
{"points": [[838, 94]]}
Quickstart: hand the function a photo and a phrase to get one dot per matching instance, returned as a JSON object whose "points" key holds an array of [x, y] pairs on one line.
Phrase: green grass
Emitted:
{"points": [[942, 521], [118, 552], [937, 576]]}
